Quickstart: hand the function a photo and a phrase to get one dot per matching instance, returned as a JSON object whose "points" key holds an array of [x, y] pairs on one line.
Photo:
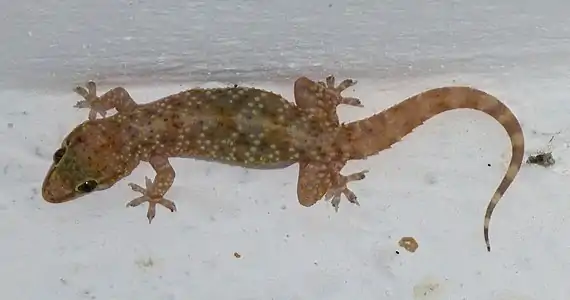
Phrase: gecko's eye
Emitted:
{"points": [[58, 155], [87, 186]]}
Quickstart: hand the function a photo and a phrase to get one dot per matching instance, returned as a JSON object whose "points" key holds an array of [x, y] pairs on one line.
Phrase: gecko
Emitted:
{"points": [[251, 128]]}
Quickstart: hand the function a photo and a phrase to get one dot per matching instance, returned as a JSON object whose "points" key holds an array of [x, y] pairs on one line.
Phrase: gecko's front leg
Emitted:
{"points": [[117, 98], [157, 188]]}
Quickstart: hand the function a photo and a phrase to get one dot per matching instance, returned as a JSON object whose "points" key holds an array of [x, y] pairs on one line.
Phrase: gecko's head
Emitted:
{"points": [[87, 161]]}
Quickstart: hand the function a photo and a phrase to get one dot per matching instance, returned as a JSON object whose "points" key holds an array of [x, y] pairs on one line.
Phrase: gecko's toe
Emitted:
{"points": [[138, 201], [81, 104], [337, 90], [90, 100], [350, 196], [168, 204], [151, 212], [345, 84], [330, 81], [335, 192], [335, 196], [356, 176], [152, 201], [91, 87], [352, 101], [89, 93], [81, 91]]}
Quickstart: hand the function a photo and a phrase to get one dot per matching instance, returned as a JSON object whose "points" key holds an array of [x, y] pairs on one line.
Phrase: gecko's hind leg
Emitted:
{"points": [[323, 98], [330, 86], [313, 182], [117, 98], [317, 179], [339, 187]]}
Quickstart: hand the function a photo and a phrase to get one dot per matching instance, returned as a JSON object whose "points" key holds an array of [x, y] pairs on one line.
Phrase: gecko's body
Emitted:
{"points": [[251, 128]]}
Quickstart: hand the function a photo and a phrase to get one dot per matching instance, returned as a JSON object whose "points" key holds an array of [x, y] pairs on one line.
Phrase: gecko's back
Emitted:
{"points": [[238, 126]]}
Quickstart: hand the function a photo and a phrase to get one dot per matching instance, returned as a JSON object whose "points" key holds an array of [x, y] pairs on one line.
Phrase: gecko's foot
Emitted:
{"points": [[330, 85], [90, 100], [152, 201], [335, 191]]}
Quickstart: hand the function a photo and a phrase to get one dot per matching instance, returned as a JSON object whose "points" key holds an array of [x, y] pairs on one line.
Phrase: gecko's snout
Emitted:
{"points": [[50, 197], [56, 195], [55, 191]]}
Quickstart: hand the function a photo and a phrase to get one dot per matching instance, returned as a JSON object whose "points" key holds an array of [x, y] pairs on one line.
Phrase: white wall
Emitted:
{"points": [[57, 44]]}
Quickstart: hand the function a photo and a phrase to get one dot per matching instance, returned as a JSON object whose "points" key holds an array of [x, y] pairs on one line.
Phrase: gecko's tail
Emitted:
{"points": [[380, 131]]}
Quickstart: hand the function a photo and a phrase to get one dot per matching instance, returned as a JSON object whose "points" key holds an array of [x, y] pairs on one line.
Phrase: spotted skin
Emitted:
{"points": [[252, 128], [238, 126]]}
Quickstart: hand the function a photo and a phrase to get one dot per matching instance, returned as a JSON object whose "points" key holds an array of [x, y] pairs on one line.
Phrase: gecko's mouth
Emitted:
{"points": [[54, 194], [51, 197], [55, 190]]}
